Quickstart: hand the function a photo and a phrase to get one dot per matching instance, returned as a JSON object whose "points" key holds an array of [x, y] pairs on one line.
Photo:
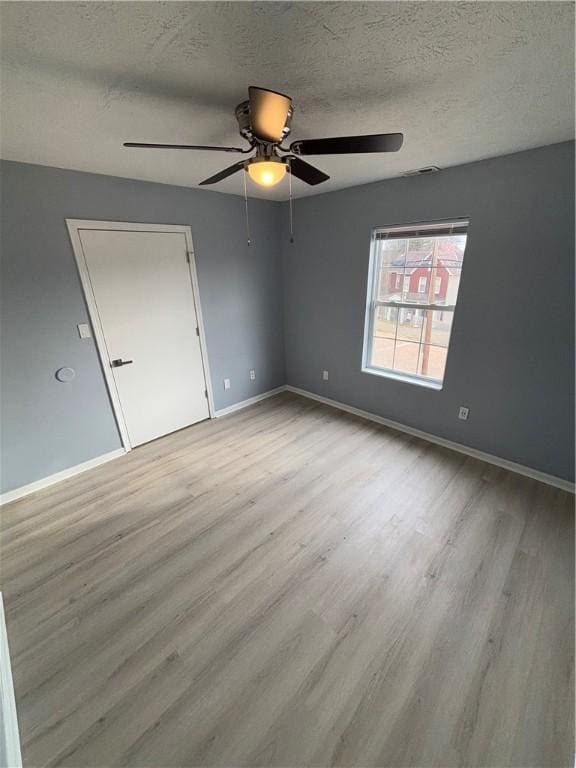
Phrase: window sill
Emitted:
{"points": [[419, 382]]}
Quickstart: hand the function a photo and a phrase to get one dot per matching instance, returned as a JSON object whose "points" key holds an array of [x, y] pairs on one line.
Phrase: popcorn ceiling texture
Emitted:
{"points": [[463, 81]]}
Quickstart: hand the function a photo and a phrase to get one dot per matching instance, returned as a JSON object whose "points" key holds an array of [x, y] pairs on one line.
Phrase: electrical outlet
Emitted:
{"points": [[463, 413], [226, 383], [324, 375], [84, 331], [252, 375]]}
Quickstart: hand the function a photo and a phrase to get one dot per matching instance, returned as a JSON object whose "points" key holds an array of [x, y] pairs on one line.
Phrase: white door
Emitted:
{"points": [[143, 292]]}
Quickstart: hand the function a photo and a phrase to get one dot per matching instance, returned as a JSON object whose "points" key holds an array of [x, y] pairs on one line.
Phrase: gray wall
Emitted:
{"points": [[48, 426], [511, 358]]}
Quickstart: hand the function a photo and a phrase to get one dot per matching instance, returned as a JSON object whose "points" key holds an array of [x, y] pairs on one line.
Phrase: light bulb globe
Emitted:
{"points": [[267, 173]]}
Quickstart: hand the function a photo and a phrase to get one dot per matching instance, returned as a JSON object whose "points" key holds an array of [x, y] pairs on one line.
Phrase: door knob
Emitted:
{"points": [[119, 363]]}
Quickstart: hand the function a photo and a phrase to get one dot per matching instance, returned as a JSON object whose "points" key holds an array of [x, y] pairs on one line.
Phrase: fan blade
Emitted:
{"points": [[223, 174], [268, 113], [305, 172], [343, 145], [140, 145]]}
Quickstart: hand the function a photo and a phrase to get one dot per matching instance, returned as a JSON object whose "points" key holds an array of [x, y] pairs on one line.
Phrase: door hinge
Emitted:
{"points": [[197, 331], [206, 394], [188, 257]]}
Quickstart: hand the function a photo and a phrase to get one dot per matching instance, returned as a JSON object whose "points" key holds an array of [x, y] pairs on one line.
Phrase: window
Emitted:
{"points": [[407, 336]]}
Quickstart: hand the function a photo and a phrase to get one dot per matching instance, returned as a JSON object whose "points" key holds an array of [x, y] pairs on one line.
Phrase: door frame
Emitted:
{"points": [[74, 226]]}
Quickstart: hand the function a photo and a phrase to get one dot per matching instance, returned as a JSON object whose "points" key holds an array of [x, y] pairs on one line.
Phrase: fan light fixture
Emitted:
{"points": [[266, 173], [264, 121]]}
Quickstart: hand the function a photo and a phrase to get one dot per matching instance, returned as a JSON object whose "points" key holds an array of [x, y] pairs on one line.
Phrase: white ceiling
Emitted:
{"points": [[462, 81]]}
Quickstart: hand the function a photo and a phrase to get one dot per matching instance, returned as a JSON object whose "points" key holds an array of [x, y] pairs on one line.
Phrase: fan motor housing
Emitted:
{"points": [[242, 113]]}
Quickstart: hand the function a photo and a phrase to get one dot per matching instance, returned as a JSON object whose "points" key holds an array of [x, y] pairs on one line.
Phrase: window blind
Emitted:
{"points": [[459, 227]]}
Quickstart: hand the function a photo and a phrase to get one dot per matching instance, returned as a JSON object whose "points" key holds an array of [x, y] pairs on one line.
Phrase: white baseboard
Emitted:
{"points": [[38, 485], [520, 469], [249, 401], [10, 755]]}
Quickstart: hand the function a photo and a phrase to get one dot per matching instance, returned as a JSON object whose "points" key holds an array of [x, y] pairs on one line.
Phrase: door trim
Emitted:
{"points": [[74, 227]]}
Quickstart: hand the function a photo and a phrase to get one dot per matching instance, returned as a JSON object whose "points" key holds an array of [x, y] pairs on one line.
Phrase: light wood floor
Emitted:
{"points": [[292, 586]]}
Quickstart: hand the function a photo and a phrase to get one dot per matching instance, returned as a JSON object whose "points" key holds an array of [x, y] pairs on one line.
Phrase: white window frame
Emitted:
{"points": [[453, 226], [422, 284]]}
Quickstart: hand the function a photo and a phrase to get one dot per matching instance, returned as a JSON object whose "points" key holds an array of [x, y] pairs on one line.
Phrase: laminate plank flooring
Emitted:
{"points": [[292, 586]]}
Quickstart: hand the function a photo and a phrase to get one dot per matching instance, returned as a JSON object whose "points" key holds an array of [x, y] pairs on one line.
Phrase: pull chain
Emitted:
{"points": [[290, 194], [246, 208]]}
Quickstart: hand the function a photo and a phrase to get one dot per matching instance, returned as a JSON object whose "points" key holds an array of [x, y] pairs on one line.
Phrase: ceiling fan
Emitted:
{"points": [[264, 121]]}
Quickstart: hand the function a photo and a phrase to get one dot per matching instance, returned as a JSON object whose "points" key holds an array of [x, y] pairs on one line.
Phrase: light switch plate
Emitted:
{"points": [[226, 383], [324, 375], [84, 331], [463, 413]]}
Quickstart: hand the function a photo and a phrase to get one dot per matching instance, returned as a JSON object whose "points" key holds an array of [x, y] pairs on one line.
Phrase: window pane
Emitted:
{"points": [[406, 356], [416, 284], [436, 327], [385, 322], [393, 252], [410, 323], [450, 250], [392, 256], [439, 288], [450, 285], [382, 352], [390, 284], [422, 245], [432, 361]]}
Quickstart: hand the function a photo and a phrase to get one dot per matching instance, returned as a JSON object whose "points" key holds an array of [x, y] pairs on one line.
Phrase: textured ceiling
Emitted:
{"points": [[463, 81]]}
